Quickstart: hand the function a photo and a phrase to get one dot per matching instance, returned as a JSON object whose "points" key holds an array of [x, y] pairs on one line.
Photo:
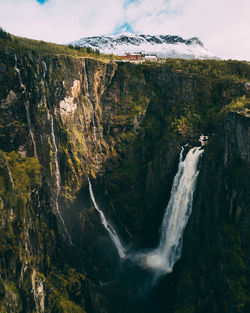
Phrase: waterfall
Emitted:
{"points": [[19, 76], [86, 83], [163, 258], [27, 107], [86, 87], [111, 231], [44, 69], [10, 176], [58, 180], [93, 121]]}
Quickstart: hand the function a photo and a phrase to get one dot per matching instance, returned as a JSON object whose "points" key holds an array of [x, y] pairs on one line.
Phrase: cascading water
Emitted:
{"points": [[163, 258], [27, 107], [86, 83], [19, 76], [112, 233], [58, 180], [93, 121], [44, 69], [10, 176], [86, 87]]}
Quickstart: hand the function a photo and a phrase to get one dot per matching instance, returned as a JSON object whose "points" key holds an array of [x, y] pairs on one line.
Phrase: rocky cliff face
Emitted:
{"points": [[212, 275], [66, 119]]}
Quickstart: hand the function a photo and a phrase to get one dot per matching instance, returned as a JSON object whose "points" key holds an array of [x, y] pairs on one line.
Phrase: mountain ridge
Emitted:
{"points": [[163, 46]]}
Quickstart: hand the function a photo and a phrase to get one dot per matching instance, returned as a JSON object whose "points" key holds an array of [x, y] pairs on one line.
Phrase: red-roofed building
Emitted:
{"points": [[132, 57]]}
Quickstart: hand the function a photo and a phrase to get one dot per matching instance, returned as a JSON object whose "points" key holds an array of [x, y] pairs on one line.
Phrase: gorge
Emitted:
{"points": [[100, 169]]}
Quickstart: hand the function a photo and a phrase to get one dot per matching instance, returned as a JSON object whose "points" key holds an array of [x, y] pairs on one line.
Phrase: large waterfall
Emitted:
{"points": [[163, 258], [111, 231]]}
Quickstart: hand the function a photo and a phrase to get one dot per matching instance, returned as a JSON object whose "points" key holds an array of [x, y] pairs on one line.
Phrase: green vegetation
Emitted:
{"points": [[233, 70], [46, 48], [21, 216], [18, 176], [240, 105], [4, 35], [67, 286]]}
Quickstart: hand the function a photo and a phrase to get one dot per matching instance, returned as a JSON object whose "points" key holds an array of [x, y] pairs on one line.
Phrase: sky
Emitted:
{"points": [[222, 25]]}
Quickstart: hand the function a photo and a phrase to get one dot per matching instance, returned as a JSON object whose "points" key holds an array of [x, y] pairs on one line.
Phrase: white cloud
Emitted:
{"points": [[223, 25], [60, 20]]}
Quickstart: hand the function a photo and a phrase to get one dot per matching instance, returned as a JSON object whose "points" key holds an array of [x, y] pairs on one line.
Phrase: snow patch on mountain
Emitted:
{"points": [[163, 46]]}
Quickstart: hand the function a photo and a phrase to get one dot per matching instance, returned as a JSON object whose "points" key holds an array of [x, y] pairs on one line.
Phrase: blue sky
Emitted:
{"points": [[124, 28], [222, 25]]}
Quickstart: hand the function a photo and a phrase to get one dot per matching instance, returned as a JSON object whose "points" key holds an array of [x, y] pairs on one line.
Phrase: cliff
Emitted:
{"points": [[64, 119]]}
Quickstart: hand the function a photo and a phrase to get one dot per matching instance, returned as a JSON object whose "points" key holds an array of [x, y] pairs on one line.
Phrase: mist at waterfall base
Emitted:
{"points": [[140, 270]]}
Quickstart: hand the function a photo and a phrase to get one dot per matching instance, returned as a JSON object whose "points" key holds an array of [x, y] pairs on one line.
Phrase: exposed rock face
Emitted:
{"points": [[212, 274], [66, 119]]}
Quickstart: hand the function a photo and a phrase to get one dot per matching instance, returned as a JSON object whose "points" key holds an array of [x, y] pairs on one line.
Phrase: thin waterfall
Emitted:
{"points": [[86, 83], [111, 231], [58, 180], [93, 121], [44, 69], [163, 258], [10, 176], [19, 76], [27, 107], [86, 87]]}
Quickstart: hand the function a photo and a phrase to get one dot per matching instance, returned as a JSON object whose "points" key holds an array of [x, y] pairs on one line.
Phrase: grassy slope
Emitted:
{"points": [[45, 48]]}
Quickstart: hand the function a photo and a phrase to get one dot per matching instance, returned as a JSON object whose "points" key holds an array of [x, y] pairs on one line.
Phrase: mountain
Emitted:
{"points": [[164, 46]]}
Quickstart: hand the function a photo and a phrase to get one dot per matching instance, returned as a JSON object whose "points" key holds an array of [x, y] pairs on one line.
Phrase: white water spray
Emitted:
{"points": [[27, 107], [58, 180], [203, 140], [111, 231], [163, 258]]}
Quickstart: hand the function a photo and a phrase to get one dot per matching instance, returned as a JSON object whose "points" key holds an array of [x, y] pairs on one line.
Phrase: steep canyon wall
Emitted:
{"points": [[65, 119]]}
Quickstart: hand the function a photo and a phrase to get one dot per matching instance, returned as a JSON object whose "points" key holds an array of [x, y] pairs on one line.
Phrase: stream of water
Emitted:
{"points": [[177, 213], [27, 108], [111, 231], [161, 260], [58, 180]]}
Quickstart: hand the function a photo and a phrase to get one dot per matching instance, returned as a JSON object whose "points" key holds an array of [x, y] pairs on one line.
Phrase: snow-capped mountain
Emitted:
{"points": [[163, 46]]}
